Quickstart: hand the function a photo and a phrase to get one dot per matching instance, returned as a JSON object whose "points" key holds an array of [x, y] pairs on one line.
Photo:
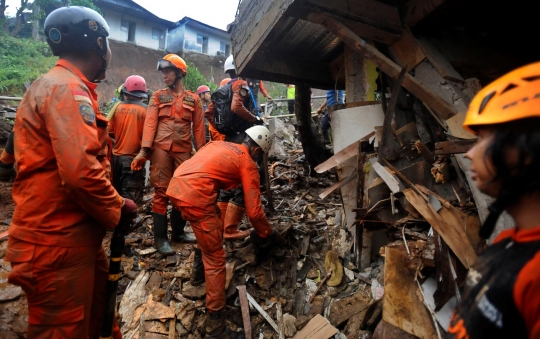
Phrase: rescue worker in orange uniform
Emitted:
{"points": [[203, 92], [501, 294], [167, 129], [231, 203], [194, 189], [64, 198], [126, 127]]}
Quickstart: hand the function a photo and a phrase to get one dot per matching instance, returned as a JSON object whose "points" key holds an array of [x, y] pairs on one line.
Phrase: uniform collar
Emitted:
{"points": [[70, 67], [517, 235]]}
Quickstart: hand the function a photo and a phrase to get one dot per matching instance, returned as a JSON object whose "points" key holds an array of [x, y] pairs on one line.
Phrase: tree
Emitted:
{"points": [[19, 17]]}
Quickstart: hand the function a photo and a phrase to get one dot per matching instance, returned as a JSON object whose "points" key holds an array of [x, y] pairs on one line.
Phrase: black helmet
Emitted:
{"points": [[75, 29]]}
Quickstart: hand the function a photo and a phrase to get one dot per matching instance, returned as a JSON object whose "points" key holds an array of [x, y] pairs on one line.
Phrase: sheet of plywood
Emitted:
{"points": [[453, 234], [406, 51], [401, 305], [348, 126]]}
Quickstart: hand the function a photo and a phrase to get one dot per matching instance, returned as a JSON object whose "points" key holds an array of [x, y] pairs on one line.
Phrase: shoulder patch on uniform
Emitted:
{"points": [[88, 114], [165, 98], [81, 97], [188, 100]]}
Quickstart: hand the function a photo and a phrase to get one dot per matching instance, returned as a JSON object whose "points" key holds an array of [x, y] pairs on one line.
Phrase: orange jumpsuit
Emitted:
{"points": [[193, 191], [167, 128], [64, 203], [126, 125]]}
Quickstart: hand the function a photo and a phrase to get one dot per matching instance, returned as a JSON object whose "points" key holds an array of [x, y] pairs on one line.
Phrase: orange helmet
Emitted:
{"points": [[511, 97], [224, 81], [172, 60]]}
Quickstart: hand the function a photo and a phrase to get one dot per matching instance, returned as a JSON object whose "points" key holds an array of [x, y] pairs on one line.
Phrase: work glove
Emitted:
{"points": [[128, 214], [264, 245], [139, 160]]}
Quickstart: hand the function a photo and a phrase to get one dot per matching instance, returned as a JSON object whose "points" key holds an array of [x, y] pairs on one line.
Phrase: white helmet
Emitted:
{"points": [[261, 136], [229, 64]]}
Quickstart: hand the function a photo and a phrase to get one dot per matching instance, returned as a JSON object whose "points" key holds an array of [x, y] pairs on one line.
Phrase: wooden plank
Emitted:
{"points": [[455, 125], [317, 328], [453, 235], [172, 323], [401, 305], [279, 318], [262, 312], [244, 303], [454, 147], [428, 97], [388, 145], [4, 235], [345, 154], [406, 180], [229, 273], [338, 185], [443, 67], [387, 177], [2, 97], [419, 9], [406, 52]]}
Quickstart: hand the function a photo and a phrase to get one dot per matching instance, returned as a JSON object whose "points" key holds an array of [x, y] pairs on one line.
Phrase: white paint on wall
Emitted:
{"points": [[143, 29]]}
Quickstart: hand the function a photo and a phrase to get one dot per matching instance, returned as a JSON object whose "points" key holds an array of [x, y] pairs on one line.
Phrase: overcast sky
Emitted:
{"points": [[217, 13]]}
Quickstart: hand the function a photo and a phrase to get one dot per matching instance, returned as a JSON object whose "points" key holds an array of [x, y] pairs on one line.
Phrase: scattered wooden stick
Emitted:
{"points": [[320, 284], [244, 304], [262, 312], [172, 322], [279, 316]]}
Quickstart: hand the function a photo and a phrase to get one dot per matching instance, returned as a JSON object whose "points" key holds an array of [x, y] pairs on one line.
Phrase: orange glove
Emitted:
{"points": [[139, 160]]}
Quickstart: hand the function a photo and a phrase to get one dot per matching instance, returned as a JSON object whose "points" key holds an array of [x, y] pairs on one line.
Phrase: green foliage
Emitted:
{"points": [[195, 79], [48, 6], [22, 60]]}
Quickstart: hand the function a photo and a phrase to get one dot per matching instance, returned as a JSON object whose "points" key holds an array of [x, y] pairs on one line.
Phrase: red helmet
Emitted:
{"points": [[203, 89], [135, 85]]}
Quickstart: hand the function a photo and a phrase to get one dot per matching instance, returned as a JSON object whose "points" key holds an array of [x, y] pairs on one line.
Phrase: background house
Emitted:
{"points": [[131, 23], [195, 36]]}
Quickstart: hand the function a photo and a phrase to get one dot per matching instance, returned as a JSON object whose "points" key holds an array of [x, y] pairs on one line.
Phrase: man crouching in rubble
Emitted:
{"points": [[193, 190], [64, 198]]}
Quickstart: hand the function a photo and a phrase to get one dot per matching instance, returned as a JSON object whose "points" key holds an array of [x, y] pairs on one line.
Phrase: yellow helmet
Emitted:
{"points": [[513, 96]]}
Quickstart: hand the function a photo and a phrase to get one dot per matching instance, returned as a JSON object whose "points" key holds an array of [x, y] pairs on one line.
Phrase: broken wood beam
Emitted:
{"points": [[428, 97], [172, 322], [343, 155], [406, 180], [454, 147], [265, 315], [453, 235], [337, 185], [317, 328], [244, 305], [387, 139]]}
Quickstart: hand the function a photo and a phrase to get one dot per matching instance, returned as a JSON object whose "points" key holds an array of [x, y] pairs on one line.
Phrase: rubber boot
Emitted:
{"points": [[232, 219], [178, 232], [222, 205], [215, 326], [161, 243], [197, 269]]}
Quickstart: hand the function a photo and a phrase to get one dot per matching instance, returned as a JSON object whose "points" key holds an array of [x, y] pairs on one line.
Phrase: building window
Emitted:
{"points": [[124, 26], [203, 40], [224, 48], [156, 33]]}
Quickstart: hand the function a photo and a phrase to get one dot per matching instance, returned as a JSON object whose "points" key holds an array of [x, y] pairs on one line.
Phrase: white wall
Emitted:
{"points": [[143, 29], [214, 40]]}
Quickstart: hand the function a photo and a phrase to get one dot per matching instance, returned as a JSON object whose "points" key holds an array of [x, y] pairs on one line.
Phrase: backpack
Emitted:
{"points": [[225, 120]]}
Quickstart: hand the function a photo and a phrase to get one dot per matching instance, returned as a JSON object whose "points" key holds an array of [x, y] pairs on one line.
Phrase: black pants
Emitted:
{"points": [[129, 184]]}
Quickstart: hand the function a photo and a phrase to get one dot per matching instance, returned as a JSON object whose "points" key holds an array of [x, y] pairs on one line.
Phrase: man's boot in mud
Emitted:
{"points": [[215, 326], [197, 269], [178, 232], [161, 242], [232, 219]]}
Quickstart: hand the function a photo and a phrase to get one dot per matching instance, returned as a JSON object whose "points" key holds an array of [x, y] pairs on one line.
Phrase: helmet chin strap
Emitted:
{"points": [[103, 54], [178, 78]]}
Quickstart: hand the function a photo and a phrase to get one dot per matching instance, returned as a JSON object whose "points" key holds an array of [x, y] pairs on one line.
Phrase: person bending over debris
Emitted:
{"points": [[193, 191], [232, 111], [167, 128], [126, 127], [502, 290], [64, 198], [7, 160]]}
